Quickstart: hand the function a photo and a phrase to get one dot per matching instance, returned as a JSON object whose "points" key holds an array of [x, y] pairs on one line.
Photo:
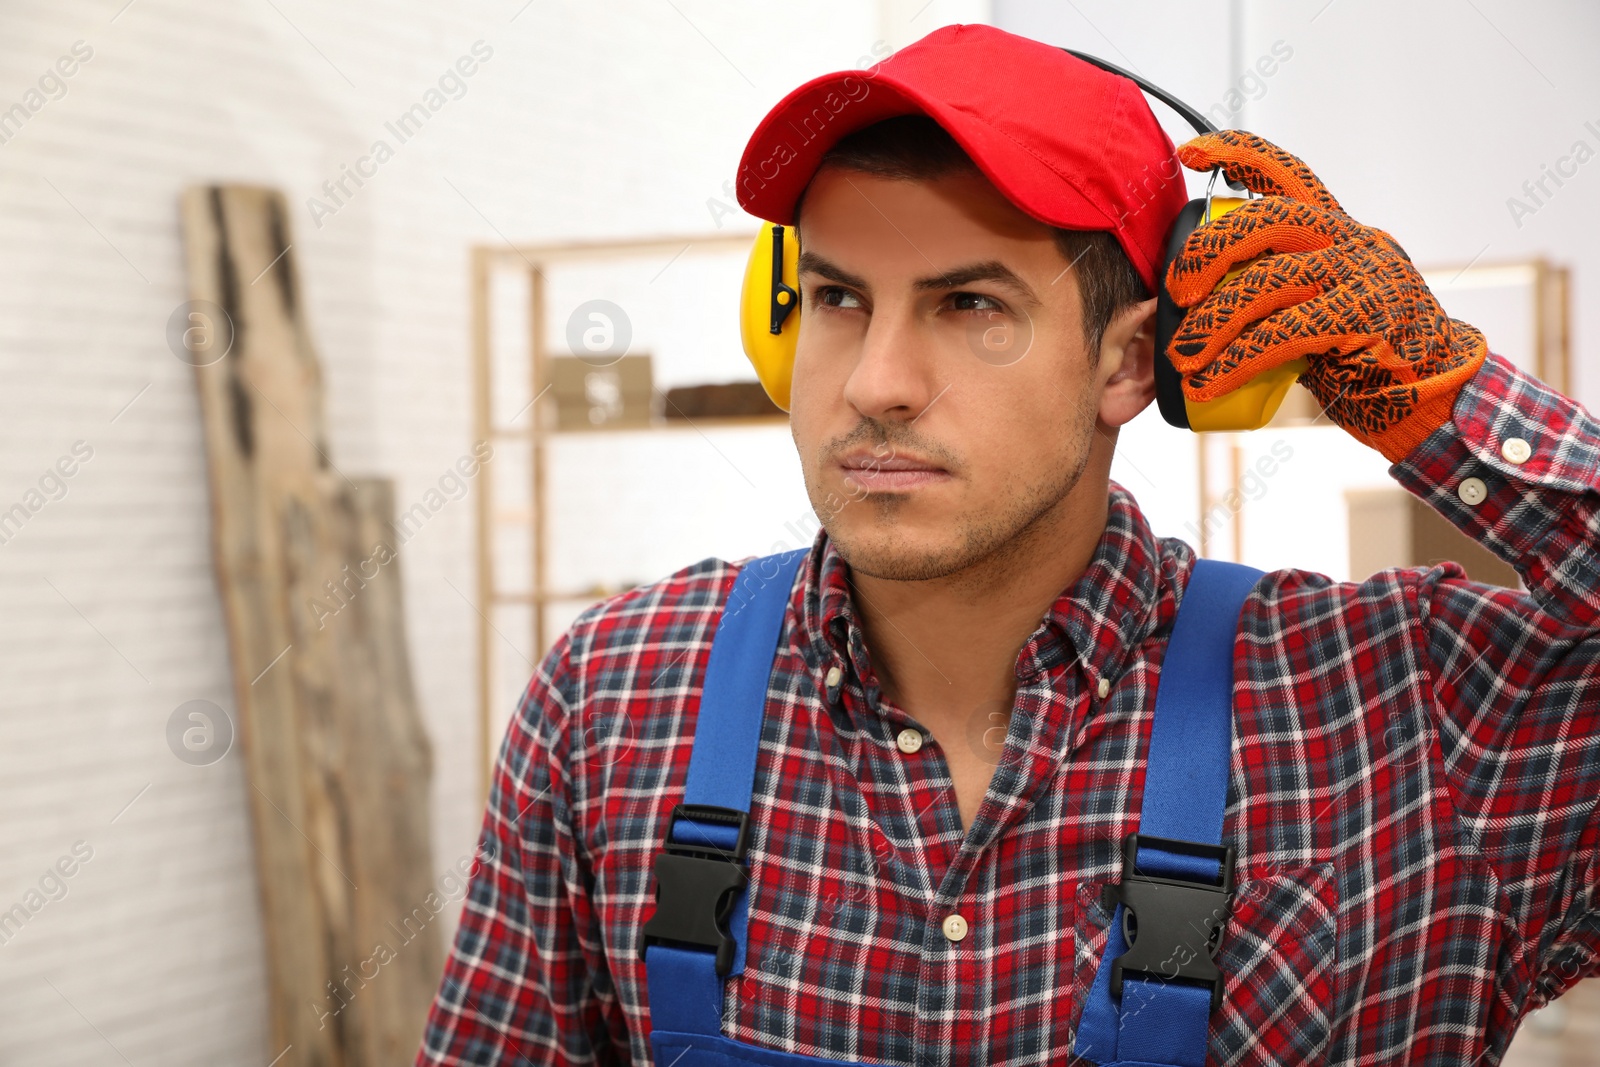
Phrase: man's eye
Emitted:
{"points": [[834, 296], [974, 302]]}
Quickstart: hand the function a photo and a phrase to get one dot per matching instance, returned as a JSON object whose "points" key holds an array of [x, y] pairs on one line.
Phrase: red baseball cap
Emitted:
{"points": [[1066, 142]]}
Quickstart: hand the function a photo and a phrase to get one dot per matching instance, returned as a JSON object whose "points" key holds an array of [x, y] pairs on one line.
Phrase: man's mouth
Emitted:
{"points": [[896, 471]]}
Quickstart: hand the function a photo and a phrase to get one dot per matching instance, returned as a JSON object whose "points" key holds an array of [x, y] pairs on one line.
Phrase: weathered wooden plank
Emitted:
{"points": [[337, 760]]}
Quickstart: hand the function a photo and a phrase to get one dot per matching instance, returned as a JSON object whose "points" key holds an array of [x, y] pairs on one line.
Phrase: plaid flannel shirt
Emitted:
{"points": [[1413, 792]]}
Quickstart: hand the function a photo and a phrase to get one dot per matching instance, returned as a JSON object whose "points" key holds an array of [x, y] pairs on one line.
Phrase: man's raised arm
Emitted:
{"points": [[1514, 724]]}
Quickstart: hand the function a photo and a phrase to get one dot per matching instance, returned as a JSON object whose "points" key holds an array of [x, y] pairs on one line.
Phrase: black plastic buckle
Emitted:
{"points": [[697, 885], [1172, 925]]}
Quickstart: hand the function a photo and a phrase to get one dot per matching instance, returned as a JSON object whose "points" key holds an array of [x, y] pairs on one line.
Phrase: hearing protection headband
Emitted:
{"points": [[1251, 405], [768, 300], [1200, 123]]}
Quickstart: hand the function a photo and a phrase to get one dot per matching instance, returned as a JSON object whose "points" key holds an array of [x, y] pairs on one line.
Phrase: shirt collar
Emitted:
{"points": [[1121, 597]]}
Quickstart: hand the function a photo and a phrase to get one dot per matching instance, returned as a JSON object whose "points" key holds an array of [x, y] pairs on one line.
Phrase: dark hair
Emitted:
{"points": [[913, 147]]}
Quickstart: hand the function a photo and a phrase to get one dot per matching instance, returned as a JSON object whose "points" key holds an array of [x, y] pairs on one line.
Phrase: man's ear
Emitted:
{"points": [[1127, 363]]}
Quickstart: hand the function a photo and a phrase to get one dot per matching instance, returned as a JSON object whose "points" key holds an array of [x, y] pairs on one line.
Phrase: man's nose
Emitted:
{"points": [[894, 374]]}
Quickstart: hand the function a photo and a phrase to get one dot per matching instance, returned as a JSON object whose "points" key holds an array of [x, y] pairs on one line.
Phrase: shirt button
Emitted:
{"points": [[834, 674], [909, 740], [1472, 490], [955, 927], [1516, 450], [1104, 687]]}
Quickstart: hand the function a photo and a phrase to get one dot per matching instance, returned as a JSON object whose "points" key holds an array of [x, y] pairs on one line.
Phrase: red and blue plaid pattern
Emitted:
{"points": [[1413, 794]]}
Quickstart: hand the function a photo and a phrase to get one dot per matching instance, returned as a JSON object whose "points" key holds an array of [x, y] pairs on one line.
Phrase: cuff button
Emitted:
{"points": [[1516, 450], [1472, 491]]}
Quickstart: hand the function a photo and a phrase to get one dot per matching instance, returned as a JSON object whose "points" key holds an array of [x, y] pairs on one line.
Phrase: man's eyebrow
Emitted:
{"points": [[812, 263], [991, 270], [987, 271]]}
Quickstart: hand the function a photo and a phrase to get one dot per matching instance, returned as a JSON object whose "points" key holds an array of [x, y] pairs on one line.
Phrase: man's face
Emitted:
{"points": [[944, 402]]}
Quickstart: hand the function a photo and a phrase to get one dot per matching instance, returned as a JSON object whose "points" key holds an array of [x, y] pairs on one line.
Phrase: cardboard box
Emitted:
{"points": [[592, 395], [1392, 528]]}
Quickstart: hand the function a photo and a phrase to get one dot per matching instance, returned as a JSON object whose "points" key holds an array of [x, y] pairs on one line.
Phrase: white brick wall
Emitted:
{"points": [[584, 123]]}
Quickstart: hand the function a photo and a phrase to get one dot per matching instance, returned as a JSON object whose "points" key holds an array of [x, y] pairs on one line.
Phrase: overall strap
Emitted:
{"points": [[696, 937], [1151, 1003]]}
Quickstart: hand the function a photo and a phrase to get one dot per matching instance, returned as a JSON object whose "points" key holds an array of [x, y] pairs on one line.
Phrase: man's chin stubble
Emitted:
{"points": [[985, 550]]}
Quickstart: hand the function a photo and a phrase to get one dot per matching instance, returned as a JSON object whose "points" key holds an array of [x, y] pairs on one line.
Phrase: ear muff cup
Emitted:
{"points": [[769, 309], [1248, 407]]}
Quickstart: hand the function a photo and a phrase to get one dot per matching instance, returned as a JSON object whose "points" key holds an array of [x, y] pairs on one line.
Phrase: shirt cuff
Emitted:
{"points": [[1517, 469]]}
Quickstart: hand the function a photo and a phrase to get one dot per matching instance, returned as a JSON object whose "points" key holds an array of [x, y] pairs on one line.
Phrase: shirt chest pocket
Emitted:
{"points": [[1277, 957]]}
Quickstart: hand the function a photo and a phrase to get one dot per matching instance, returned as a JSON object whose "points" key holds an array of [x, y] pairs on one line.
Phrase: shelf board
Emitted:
{"points": [[669, 425], [573, 596], [717, 422]]}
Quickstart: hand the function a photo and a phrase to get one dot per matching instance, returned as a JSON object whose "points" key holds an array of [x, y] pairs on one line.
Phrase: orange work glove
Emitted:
{"points": [[1382, 358]]}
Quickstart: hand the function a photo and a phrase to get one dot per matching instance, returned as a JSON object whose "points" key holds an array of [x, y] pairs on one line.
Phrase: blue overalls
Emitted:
{"points": [[1149, 1005]]}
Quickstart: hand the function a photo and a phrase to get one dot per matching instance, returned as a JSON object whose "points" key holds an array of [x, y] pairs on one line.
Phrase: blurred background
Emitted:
{"points": [[488, 256]]}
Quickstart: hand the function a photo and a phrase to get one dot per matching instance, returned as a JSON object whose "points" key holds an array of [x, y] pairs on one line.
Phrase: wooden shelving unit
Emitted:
{"points": [[535, 261]]}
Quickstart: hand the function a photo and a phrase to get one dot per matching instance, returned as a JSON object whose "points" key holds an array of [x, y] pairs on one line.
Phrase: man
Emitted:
{"points": [[958, 715]]}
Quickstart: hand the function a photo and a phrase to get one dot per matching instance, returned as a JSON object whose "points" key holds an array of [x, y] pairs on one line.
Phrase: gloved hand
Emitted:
{"points": [[1383, 359]]}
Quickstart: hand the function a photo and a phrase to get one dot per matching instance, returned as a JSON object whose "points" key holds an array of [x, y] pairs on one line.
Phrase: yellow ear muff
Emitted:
{"points": [[1252, 405], [769, 306]]}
